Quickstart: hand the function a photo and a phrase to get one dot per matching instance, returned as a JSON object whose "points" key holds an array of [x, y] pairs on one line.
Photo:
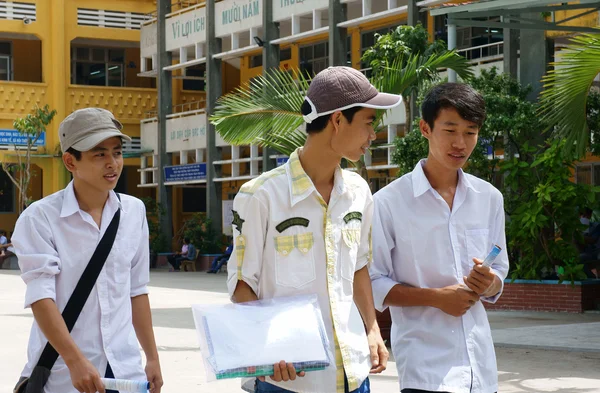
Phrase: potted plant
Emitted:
{"points": [[158, 241], [208, 241]]}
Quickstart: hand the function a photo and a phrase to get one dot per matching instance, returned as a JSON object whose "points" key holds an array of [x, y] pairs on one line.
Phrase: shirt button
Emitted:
{"points": [[305, 250], [284, 252]]}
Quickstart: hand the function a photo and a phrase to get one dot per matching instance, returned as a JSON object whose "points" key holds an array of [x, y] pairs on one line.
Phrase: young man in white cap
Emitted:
{"points": [[431, 228], [305, 228], [55, 238]]}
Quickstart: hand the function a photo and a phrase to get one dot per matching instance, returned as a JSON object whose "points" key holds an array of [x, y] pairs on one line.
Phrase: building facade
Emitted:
{"points": [[69, 54], [72, 54], [303, 35]]}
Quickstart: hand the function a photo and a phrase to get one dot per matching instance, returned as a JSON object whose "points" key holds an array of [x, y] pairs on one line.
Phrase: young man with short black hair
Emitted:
{"points": [[54, 240], [304, 228], [431, 228]]}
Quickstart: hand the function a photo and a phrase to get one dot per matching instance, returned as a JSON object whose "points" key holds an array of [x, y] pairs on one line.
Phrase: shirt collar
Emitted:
{"points": [[301, 186], [70, 204], [421, 184]]}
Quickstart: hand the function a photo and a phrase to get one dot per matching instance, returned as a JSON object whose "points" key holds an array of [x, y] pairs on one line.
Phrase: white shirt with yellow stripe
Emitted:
{"points": [[288, 242]]}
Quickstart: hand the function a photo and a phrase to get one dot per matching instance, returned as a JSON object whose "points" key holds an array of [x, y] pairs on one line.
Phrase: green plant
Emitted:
{"points": [[31, 126], [508, 111], [200, 231], [593, 119], [265, 111], [158, 241], [572, 271], [566, 90], [543, 204], [403, 61]]}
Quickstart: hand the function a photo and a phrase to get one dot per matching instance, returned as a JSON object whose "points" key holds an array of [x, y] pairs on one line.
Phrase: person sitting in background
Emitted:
{"points": [[219, 261], [590, 249], [175, 259], [6, 248], [3, 239]]}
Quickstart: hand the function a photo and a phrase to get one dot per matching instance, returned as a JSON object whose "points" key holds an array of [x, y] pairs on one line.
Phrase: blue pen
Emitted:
{"points": [[492, 255]]}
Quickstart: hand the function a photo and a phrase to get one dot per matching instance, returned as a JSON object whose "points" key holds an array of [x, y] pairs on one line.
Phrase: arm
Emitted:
{"points": [[405, 296], [363, 297], [363, 292], [245, 264], [489, 282], [243, 293], [40, 264], [384, 243], [84, 375], [454, 300], [142, 323], [141, 315]]}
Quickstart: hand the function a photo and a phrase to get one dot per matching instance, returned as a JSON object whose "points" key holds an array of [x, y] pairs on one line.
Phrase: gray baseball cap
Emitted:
{"points": [[85, 128], [340, 88]]}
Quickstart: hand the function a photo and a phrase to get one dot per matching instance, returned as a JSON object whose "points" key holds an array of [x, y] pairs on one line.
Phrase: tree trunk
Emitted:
{"points": [[406, 101]]}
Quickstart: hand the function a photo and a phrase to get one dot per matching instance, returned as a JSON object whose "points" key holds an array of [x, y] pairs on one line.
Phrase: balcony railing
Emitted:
{"points": [[128, 104], [180, 108], [18, 98], [114, 19], [483, 53]]}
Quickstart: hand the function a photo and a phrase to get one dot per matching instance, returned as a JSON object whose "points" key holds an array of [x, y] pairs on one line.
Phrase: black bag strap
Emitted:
{"points": [[84, 287]]}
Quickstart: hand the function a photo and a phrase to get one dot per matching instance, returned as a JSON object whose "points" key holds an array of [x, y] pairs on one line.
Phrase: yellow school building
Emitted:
{"points": [[72, 54]]}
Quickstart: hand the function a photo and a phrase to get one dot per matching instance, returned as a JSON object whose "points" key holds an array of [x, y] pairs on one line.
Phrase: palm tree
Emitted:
{"points": [[566, 88], [408, 74], [408, 48], [266, 111]]}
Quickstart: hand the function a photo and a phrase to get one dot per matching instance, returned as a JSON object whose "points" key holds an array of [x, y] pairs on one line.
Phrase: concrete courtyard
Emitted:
{"points": [[537, 352]]}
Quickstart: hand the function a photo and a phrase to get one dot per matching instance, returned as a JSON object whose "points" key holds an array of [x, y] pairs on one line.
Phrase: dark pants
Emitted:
{"points": [[109, 374], [175, 261], [218, 262], [264, 387]]}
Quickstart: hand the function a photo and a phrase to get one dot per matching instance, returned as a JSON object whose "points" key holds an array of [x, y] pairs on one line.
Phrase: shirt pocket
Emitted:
{"points": [[294, 264], [351, 241], [477, 244]]}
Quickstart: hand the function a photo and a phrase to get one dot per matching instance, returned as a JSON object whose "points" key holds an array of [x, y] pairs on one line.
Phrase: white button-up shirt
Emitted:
{"points": [[419, 242], [288, 242], [54, 241]]}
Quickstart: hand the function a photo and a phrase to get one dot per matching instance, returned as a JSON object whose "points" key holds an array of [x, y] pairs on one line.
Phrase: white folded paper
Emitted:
{"points": [[238, 340]]}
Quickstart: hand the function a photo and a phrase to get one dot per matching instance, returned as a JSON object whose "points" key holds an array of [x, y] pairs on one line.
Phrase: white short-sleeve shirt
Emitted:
{"points": [[288, 241]]}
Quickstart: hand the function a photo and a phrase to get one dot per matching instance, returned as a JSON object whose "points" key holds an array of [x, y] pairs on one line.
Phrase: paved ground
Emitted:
{"points": [[537, 352]]}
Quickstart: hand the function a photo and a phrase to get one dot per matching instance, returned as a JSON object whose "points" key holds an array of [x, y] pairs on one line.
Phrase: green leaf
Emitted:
{"points": [[265, 112], [567, 84]]}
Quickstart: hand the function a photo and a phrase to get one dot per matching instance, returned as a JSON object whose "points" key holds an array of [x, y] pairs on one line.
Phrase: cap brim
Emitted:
{"points": [[380, 101], [383, 101], [94, 140]]}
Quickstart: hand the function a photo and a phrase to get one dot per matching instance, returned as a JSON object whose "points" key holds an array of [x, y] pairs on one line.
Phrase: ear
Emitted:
{"points": [[69, 162], [336, 119], [425, 129]]}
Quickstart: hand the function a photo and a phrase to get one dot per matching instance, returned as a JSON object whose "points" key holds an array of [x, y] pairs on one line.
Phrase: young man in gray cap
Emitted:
{"points": [[55, 238], [305, 228]]}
